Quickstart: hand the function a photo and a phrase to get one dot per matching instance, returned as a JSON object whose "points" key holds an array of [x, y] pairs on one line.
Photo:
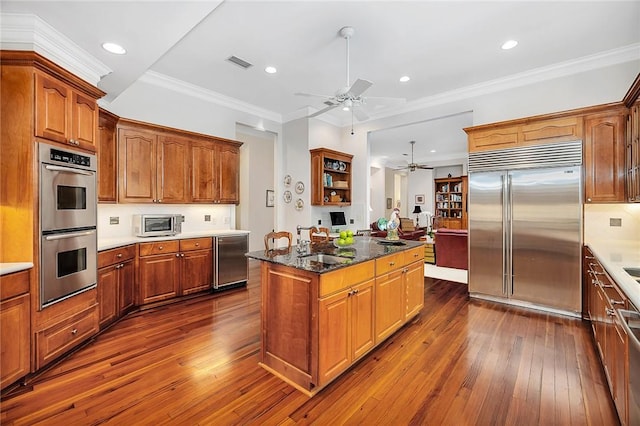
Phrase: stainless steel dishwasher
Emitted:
{"points": [[231, 267], [631, 322]]}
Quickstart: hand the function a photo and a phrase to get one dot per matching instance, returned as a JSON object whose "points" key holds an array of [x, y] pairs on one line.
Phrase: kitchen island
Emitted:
{"points": [[324, 309]]}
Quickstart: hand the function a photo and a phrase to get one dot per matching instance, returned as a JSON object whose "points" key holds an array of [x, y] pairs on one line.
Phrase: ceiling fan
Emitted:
{"points": [[413, 166], [349, 97]]}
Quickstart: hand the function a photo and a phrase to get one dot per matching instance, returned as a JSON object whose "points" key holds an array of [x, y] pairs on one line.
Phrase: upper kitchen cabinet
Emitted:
{"points": [[330, 177], [632, 155], [215, 172], [152, 168], [604, 150], [107, 157], [524, 132], [162, 165], [64, 114]]}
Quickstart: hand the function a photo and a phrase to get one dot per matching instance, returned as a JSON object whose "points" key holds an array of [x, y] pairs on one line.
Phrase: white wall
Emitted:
{"points": [[597, 226], [156, 104], [257, 158], [420, 182]]}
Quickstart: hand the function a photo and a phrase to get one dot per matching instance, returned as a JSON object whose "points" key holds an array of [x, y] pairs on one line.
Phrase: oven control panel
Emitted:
{"points": [[69, 158]]}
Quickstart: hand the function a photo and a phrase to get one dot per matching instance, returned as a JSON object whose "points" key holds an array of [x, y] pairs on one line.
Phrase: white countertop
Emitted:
{"points": [[616, 255], [8, 268], [108, 243]]}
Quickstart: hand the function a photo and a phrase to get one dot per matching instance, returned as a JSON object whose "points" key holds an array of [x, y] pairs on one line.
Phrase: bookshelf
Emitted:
{"points": [[451, 202]]}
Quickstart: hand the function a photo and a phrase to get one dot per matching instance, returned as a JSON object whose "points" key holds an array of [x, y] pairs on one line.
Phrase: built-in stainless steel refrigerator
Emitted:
{"points": [[525, 226]]}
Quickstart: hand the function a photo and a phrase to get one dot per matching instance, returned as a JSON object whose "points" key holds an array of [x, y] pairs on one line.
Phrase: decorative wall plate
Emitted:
{"points": [[287, 180], [299, 187], [299, 204], [287, 196]]}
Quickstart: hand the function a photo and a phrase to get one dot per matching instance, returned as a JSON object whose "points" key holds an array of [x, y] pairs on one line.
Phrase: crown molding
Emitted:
{"points": [[29, 32], [562, 69], [170, 83]]}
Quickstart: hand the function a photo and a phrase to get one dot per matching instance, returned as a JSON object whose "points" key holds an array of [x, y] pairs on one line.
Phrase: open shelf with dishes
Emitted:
{"points": [[451, 202], [330, 177]]}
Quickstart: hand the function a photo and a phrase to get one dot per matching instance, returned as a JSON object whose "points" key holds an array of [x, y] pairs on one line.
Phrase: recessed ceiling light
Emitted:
{"points": [[509, 44], [270, 70], [114, 48], [432, 151], [404, 79], [345, 108]]}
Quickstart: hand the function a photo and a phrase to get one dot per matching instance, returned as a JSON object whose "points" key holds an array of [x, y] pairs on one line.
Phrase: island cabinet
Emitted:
{"points": [[173, 268], [604, 298], [116, 283], [316, 324], [15, 329]]}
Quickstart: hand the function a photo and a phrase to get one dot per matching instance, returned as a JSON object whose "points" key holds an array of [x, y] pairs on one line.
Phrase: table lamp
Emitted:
{"points": [[417, 210]]}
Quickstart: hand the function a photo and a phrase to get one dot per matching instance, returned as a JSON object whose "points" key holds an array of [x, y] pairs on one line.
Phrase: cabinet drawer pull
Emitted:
{"points": [[197, 244], [617, 302], [392, 263], [610, 312], [119, 255], [160, 248], [74, 331]]}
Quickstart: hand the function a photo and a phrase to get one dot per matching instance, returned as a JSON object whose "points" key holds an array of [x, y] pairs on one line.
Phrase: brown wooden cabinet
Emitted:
{"points": [[346, 328], [116, 281], [315, 326], [15, 327], [604, 156], [63, 114], [107, 157], [172, 268], [330, 177], [160, 165], [604, 298], [632, 155], [152, 168], [451, 202]]}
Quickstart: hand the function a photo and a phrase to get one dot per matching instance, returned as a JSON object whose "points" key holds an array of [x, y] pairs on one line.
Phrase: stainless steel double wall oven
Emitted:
{"points": [[68, 216]]}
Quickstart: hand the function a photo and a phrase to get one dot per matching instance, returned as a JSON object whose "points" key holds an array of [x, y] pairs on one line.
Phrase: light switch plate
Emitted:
{"points": [[615, 221], [114, 220], [207, 218]]}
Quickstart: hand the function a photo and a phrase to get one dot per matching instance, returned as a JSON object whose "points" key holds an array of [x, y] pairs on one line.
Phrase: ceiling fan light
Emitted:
{"points": [[345, 108], [270, 70], [404, 79]]}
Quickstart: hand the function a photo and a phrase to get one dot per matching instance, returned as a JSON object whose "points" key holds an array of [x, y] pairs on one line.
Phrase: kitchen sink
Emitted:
{"points": [[327, 259], [634, 272]]}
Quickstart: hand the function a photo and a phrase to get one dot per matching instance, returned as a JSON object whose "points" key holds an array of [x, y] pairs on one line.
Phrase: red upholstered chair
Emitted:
{"points": [[451, 248]]}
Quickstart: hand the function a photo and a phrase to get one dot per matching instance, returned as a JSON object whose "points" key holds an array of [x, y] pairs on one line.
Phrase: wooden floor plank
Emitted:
{"points": [[460, 362]]}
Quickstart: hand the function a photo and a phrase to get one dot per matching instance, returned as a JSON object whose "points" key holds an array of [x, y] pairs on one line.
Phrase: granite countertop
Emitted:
{"points": [[363, 249], [109, 243], [8, 268], [616, 255]]}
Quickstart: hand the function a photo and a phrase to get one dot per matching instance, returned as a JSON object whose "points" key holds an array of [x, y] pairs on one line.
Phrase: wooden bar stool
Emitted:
{"points": [[316, 236], [275, 236]]}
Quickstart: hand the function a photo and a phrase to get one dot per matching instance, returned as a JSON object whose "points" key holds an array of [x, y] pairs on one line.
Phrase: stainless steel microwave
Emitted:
{"points": [[157, 225]]}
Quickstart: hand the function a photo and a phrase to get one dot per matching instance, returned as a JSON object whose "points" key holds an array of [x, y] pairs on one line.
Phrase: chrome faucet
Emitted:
{"points": [[303, 245]]}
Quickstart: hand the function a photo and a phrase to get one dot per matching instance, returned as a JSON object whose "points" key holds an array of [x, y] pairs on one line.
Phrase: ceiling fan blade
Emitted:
{"points": [[360, 114], [359, 86], [313, 95], [322, 111], [423, 167]]}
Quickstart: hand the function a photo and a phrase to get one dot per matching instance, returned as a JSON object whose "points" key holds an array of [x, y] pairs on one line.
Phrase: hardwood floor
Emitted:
{"points": [[460, 362]]}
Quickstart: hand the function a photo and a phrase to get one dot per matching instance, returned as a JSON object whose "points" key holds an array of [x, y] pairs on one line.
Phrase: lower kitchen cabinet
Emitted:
{"points": [[610, 338], [116, 283], [15, 320], [346, 328], [168, 269]]}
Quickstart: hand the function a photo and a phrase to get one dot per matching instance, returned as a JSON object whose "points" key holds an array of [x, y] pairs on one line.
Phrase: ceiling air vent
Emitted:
{"points": [[240, 62]]}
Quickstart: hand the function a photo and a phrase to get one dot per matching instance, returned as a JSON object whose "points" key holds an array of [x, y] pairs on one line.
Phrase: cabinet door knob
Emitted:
{"points": [[181, 254], [197, 244], [74, 331], [589, 199], [119, 255], [160, 200], [160, 247], [177, 254]]}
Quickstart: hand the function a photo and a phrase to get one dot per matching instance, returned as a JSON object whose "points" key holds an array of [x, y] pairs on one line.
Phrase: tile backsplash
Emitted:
{"points": [[611, 222], [195, 217]]}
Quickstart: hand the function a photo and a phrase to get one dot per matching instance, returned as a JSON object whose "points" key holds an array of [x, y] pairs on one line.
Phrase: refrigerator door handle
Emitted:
{"points": [[507, 235]]}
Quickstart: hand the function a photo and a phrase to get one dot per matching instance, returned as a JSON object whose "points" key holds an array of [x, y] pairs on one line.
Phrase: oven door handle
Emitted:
{"points": [[71, 235], [68, 169]]}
